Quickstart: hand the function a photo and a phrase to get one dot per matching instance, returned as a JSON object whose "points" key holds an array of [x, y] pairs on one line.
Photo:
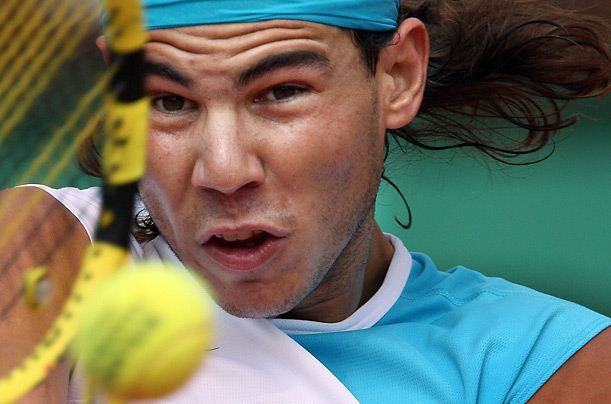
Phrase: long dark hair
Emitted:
{"points": [[499, 64], [494, 64]]}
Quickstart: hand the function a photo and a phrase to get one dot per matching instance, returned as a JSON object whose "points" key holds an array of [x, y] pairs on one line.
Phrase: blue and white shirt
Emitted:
{"points": [[425, 337]]}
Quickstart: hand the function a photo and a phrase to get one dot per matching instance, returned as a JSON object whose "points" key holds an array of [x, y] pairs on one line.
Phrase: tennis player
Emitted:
{"points": [[269, 125]]}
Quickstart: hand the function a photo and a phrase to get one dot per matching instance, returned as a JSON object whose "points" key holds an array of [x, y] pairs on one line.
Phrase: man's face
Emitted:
{"points": [[265, 155]]}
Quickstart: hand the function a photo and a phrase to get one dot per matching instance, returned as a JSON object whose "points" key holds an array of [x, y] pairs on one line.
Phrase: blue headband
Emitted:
{"points": [[371, 15]]}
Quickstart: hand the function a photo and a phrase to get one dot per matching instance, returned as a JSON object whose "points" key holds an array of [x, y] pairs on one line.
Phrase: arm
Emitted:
{"points": [[52, 236], [584, 378]]}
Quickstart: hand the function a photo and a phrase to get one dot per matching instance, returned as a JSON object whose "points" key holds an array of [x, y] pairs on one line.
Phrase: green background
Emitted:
{"points": [[546, 226]]}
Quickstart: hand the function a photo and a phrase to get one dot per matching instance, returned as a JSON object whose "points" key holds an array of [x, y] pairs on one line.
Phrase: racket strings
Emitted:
{"points": [[51, 95], [50, 102], [14, 304], [51, 250], [85, 106], [29, 39], [15, 28], [40, 38], [29, 70]]}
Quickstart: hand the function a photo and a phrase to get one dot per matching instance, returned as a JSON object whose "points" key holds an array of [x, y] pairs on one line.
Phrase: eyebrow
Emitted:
{"points": [[293, 59], [159, 69]]}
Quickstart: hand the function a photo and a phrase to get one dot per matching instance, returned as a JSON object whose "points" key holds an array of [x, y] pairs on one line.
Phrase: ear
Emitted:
{"points": [[401, 73], [103, 47]]}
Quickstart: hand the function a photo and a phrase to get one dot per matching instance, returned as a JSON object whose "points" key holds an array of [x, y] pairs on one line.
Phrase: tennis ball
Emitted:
{"points": [[144, 331]]}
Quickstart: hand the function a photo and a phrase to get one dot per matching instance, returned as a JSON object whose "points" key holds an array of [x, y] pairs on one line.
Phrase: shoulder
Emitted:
{"points": [[84, 204], [464, 291], [37, 207], [508, 336], [584, 378]]}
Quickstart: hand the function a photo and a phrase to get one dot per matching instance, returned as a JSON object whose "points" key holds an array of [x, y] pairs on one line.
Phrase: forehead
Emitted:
{"points": [[239, 43]]}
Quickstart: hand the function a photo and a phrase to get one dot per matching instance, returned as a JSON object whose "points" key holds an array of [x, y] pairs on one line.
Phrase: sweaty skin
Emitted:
{"points": [[273, 132]]}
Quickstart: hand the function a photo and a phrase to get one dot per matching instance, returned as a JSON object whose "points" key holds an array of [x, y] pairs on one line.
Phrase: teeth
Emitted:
{"points": [[245, 235]]}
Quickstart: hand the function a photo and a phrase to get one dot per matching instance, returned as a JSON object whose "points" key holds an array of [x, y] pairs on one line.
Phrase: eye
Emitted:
{"points": [[170, 103], [280, 93]]}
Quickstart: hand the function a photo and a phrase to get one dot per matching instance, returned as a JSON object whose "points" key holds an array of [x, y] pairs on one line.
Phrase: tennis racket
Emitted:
{"points": [[39, 41]]}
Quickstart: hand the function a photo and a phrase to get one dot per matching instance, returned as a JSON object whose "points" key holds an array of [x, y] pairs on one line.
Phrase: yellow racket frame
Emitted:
{"points": [[124, 163]]}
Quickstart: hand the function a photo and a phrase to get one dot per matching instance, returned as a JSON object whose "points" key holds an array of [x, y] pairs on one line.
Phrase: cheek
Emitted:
{"points": [[340, 148], [168, 162], [167, 174]]}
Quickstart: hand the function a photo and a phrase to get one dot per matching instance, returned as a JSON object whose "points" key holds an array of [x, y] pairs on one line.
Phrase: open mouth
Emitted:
{"points": [[247, 239], [245, 250]]}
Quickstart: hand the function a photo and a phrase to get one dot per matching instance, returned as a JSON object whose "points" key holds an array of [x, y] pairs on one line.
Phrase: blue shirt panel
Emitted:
{"points": [[457, 337]]}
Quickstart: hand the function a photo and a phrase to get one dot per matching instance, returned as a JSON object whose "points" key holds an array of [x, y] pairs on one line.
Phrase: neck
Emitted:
{"points": [[380, 255], [338, 298]]}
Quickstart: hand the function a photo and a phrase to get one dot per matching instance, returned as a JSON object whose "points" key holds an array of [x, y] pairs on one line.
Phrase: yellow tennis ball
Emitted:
{"points": [[144, 331]]}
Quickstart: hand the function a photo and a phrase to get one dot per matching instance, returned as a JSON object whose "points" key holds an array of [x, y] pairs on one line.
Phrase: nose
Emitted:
{"points": [[227, 154]]}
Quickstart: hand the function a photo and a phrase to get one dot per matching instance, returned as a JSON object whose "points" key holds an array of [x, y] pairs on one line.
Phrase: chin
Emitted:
{"points": [[257, 310]]}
